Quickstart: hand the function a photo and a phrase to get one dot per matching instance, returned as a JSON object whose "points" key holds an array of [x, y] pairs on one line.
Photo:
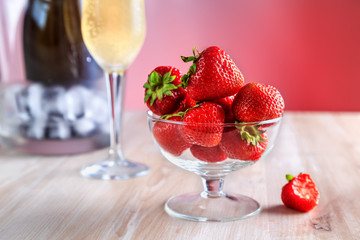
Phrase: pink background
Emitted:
{"points": [[309, 50]]}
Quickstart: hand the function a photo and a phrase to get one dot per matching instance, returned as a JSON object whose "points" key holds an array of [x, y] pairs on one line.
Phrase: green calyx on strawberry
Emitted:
{"points": [[212, 75], [179, 114], [158, 86], [192, 69], [251, 134], [163, 91], [300, 193], [246, 142]]}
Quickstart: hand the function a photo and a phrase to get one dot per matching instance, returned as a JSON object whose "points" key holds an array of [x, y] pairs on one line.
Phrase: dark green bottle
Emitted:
{"points": [[54, 51]]}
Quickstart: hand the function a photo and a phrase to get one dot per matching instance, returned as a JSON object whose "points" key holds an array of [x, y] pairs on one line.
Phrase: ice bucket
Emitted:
{"points": [[52, 94]]}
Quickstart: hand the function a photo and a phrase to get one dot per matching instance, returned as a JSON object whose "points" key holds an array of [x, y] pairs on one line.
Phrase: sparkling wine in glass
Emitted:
{"points": [[113, 32]]}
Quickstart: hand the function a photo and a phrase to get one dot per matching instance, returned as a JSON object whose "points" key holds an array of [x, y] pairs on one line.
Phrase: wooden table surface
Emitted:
{"points": [[44, 197]]}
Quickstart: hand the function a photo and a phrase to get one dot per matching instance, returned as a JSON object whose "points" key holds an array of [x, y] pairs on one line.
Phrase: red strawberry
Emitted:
{"points": [[226, 104], [169, 136], [244, 143], [188, 103], [257, 102], [213, 75], [208, 154], [203, 124], [163, 94], [300, 193]]}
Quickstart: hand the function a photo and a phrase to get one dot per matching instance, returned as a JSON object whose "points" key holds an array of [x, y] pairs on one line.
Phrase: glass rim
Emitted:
{"points": [[156, 118]]}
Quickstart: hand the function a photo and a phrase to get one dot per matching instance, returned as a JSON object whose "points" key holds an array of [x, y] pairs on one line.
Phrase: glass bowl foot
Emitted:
{"points": [[223, 208]]}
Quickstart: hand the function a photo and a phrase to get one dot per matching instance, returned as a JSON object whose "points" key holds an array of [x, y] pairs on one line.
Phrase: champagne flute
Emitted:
{"points": [[113, 32]]}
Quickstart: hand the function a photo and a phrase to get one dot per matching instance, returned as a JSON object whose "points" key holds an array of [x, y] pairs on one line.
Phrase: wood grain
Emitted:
{"points": [[45, 197]]}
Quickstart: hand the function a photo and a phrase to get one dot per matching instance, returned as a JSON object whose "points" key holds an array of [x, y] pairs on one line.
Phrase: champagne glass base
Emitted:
{"points": [[110, 170], [222, 208]]}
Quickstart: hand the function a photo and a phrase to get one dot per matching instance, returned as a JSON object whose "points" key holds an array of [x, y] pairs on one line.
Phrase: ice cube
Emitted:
{"points": [[36, 129], [84, 127], [75, 99], [22, 108], [96, 109], [13, 103], [54, 101], [58, 129], [35, 101]]}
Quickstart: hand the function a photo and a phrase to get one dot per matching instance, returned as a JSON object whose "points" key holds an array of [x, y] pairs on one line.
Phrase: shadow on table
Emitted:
{"points": [[279, 209]]}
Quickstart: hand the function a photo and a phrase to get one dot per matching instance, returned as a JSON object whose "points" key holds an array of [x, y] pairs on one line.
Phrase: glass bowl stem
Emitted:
{"points": [[212, 187]]}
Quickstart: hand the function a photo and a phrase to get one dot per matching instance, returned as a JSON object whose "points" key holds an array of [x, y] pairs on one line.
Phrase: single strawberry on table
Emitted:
{"points": [[208, 154], [300, 193], [246, 143], [203, 124], [257, 102], [169, 136], [212, 75], [163, 93]]}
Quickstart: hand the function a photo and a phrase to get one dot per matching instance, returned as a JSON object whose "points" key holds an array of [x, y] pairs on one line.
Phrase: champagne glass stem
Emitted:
{"points": [[212, 187], [115, 89], [115, 166]]}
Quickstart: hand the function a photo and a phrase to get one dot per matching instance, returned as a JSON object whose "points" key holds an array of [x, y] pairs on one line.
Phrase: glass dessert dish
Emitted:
{"points": [[241, 145]]}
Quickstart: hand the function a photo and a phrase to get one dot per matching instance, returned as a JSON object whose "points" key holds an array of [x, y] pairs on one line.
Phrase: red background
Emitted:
{"points": [[309, 50]]}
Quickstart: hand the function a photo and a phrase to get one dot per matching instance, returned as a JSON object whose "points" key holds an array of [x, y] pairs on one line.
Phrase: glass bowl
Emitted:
{"points": [[241, 145]]}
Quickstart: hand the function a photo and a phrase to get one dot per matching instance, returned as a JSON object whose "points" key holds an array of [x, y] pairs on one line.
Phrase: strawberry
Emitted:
{"points": [[226, 104], [169, 136], [245, 143], [203, 124], [212, 75], [187, 103], [208, 154], [300, 193], [257, 102], [163, 93]]}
